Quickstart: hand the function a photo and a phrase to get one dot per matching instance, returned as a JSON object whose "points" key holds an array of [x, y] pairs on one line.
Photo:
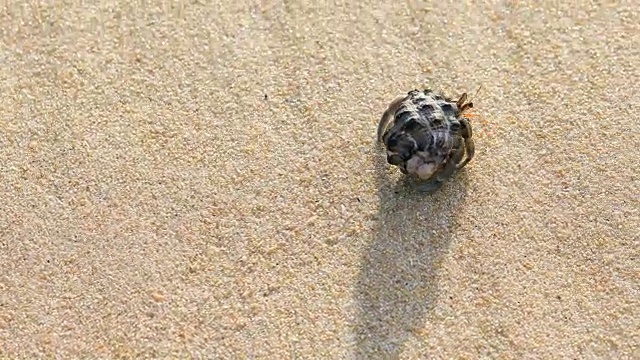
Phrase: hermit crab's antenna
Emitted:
{"points": [[477, 91]]}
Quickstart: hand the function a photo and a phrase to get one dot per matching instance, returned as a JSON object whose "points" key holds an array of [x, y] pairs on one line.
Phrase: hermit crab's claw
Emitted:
{"points": [[388, 115]]}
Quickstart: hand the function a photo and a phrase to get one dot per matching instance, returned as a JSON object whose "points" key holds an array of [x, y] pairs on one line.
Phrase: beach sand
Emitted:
{"points": [[202, 181]]}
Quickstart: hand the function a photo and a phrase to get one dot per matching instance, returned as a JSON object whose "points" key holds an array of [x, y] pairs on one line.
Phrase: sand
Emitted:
{"points": [[202, 181]]}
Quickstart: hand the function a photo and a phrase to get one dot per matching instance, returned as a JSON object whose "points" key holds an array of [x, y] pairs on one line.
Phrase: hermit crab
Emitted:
{"points": [[427, 135]]}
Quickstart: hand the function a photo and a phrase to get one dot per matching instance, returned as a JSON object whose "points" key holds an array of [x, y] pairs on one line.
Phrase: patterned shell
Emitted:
{"points": [[424, 121]]}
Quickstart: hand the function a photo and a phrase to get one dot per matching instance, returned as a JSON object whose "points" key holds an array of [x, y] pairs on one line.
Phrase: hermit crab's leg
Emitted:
{"points": [[474, 115], [444, 174], [387, 116], [467, 134]]}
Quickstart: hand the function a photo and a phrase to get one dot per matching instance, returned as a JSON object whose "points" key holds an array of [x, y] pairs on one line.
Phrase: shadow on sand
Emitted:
{"points": [[398, 282]]}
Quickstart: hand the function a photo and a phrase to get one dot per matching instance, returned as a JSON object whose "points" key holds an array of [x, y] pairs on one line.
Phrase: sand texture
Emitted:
{"points": [[201, 180]]}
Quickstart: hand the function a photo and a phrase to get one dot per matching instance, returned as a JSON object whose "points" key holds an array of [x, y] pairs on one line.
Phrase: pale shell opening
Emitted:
{"points": [[425, 171]]}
